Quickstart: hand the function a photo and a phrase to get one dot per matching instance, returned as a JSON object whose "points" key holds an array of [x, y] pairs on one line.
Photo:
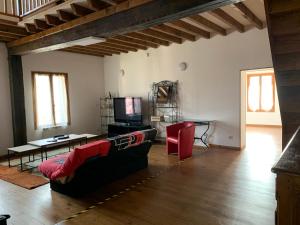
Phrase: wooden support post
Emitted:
{"points": [[17, 100]]}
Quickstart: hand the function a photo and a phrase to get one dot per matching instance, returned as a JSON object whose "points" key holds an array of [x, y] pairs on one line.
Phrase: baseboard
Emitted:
{"points": [[261, 125], [226, 147]]}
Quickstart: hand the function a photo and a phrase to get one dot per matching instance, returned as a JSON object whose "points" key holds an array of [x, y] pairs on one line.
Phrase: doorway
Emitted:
{"points": [[260, 113]]}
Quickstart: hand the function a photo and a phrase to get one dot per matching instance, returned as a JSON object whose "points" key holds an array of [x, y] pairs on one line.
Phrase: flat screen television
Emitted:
{"points": [[128, 110]]}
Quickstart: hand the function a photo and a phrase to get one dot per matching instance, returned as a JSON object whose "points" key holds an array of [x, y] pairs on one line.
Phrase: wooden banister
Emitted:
{"points": [[21, 8]]}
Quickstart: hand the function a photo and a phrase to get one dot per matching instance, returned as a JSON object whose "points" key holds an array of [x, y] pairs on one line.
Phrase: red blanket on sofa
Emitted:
{"points": [[66, 164]]}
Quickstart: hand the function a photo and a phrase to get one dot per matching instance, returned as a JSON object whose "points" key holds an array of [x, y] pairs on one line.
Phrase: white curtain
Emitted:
{"points": [[267, 93], [44, 115], [254, 93]]}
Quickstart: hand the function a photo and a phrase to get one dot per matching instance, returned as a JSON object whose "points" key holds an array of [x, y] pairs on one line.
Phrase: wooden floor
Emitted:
{"points": [[216, 187]]}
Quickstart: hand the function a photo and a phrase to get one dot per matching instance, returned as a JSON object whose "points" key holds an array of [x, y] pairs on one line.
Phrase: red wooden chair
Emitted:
{"points": [[180, 139]]}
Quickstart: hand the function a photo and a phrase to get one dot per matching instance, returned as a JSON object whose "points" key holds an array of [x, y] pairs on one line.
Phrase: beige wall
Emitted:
{"points": [[209, 88], [6, 133], [86, 85]]}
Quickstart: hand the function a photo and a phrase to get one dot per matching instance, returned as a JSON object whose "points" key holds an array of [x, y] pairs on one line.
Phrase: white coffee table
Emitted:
{"points": [[21, 151]]}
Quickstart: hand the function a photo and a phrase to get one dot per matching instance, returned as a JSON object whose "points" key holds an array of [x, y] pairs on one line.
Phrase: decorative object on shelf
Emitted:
{"points": [[183, 66], [163, 105], [107, 111]]}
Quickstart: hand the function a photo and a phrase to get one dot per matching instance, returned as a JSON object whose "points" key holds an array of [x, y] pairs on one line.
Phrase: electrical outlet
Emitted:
{"points": [[230, 137]]}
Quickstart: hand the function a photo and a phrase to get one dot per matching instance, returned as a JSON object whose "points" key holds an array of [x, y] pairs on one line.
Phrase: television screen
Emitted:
{"points": [[128, 110]]}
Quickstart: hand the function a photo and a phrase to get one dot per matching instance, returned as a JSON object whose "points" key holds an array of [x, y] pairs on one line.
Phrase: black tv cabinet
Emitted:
{"points": [[118, 129]]}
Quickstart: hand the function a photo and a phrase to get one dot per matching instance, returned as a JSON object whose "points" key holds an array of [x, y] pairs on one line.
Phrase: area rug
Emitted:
{"points": [[23, 179]]}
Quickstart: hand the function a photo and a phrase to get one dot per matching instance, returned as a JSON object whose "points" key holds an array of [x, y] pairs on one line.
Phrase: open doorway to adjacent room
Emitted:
{"points": [[261, 127]]}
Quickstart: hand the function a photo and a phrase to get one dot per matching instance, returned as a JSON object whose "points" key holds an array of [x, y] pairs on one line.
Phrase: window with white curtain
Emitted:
{"points": [[51, 100], [261, 92]]}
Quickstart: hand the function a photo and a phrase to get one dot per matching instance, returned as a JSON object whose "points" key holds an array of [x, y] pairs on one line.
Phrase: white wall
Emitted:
{"points": [[6, 133], [262, 118], [209, 88], [86, 86]]}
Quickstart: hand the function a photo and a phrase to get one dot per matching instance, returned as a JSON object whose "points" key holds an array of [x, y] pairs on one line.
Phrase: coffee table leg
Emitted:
{"points": [[42, 155], [8, 156], [21, 161]]}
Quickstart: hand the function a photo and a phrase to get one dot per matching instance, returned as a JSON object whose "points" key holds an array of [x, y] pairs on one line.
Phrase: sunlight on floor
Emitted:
{"points": [[263, 147]]}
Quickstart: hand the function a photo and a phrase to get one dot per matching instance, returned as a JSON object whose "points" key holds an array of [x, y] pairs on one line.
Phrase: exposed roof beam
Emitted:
{"points": [[161, 35], [52, 20], [101, 49], [176, 32], [136, 41], [249, 15], [118, 46], [191, 28], [31, 28], [128, 16], [207, 23], [79, 10], [65, 16], [9, 35], [97, 4], [109, 48], [111, 2], [41, 24], [219, 13], [144, 37], [126, 44], [13, 29]]}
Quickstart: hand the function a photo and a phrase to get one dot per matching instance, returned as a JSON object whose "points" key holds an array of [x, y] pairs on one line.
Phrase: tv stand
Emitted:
{"points": [[116, 129]]}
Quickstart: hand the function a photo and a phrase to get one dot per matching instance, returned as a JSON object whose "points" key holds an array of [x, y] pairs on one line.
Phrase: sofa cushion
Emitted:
{"points": [[66, 164]]}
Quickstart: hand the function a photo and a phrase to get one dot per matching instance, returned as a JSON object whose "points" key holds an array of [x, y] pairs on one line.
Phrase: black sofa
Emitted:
{"points": [[121, 161]]}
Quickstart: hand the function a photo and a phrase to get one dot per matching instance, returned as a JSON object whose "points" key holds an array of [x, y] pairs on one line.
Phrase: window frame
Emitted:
{"points": [[50, 74], [260, 75]]}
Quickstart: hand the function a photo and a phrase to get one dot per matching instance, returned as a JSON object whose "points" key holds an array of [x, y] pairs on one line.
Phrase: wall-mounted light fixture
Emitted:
{"points": [[183, 66], [122, 72]]}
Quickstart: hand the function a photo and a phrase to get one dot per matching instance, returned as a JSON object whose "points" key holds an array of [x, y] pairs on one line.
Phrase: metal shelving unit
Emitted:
{"points": [[163, 104], [106, 113]]}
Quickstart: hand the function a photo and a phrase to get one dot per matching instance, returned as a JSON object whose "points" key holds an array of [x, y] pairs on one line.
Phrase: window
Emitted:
{"points": [[261, 92], [51, 99]]}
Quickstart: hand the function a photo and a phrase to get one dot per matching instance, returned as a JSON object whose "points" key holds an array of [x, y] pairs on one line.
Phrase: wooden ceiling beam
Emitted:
{"points": [[41, 24], [9, 35], [139, 36], [52, 20], [6, 39], [86, 49], [13, 29], [128, 16], [136, 41], [118, 46], [31, 28], [126, 44], [81, 52], [176, 32], [101, 49], [110, 2], [109, 48], [249, 15], [65, 16], [79, 10], [161, 35], [207, 23], [97, 4], [190, 28], [222, 15]]}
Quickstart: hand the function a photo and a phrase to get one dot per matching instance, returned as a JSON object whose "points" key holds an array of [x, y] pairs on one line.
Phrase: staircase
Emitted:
{"points": [[283, 19]]}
